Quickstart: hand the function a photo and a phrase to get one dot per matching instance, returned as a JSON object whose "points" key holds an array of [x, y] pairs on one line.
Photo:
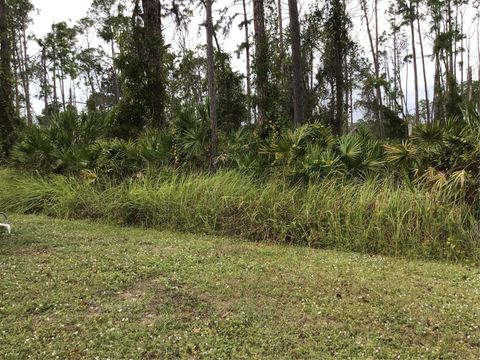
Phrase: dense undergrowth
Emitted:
{"points": [[368, 216], [416, 197]]}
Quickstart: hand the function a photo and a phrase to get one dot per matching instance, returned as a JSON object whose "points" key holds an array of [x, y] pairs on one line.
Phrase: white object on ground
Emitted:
{"points": [[7, 227]]}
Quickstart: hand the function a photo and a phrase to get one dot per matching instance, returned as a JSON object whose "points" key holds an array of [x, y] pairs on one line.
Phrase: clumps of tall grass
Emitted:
{"points": [[369, 216]]}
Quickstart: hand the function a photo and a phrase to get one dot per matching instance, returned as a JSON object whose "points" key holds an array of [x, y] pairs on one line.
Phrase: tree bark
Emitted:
{"points": [[7, 118], [414, 56], [261, 59], [55, 97], [211, 87], [45, 80], [15, 71], [280, 30], [425, 83], [116, 86], [297, 65], [247, 55], [374, 50], [152, 18], [26, 80]]}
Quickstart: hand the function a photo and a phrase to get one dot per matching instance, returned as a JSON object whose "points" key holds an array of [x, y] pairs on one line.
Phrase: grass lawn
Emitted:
{"points": [[72, 290]]}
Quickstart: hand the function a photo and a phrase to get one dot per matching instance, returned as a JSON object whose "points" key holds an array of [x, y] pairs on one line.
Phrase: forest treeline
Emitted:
{"points": [[313, 69], [299, 78]]}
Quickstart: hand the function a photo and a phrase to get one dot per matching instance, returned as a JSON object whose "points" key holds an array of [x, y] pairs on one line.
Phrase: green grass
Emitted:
{"points": [[368, 217], [77, 289]]}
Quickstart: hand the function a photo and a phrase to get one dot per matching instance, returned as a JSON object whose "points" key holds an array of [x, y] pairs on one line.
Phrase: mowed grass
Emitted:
{"points": [[73, 289]]}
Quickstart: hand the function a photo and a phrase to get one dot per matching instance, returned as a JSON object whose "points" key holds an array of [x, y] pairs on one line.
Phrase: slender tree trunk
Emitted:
{"points": [[62, 85], [406, 90], [283, 66], [377, 74], [478, 57], [55, 97], [26, 83], [437, 103], [462, 64], [422, 55], [312, 75], [116, 86], [469, 85], [261, 59], [347, 92], [211, 87], [297, 65], [15, 71], [351, 104], [45, 80], [414, 56], [247, 55], [280, 30], [450, 49], [374, 50]]}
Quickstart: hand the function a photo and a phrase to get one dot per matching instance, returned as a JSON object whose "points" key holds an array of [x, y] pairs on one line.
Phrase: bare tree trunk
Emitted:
{"points": [[62, 85], [4, 43], [211, 88], [55, 97], [15, 70], [425, 83], [152, 18], [280, 30], [45, 80], [414, 56], [247, 55], [7, 119], [478, 56], [351, 104], [297, 65], [469, 85], [374, 50], [462, 64], [26, 82], [116, 86], [261, 59], [406, 91]]}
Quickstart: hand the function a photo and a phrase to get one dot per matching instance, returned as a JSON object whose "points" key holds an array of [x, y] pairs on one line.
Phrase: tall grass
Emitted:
{"points": [[371, 217]]}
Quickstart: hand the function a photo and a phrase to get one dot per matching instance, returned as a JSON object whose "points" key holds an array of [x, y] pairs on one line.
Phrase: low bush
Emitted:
{"points": [[365, 216]]}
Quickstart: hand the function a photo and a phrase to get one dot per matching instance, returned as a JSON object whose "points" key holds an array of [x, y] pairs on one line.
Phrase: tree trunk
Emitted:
{"points": [[7, 118], [62, 85], [152, 18], [55, 97], [414, 56], [469, 85], [211, 88], [15, 70], [261, 59], [297, 65], [280, 30], [425, 83], [26, 80], [339, 62], [374, 50], [247, 55], [45, 80], [116, 86]]}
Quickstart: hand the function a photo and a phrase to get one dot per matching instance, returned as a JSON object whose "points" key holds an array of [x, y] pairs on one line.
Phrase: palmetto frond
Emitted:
{"points": [[404, 154]]}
